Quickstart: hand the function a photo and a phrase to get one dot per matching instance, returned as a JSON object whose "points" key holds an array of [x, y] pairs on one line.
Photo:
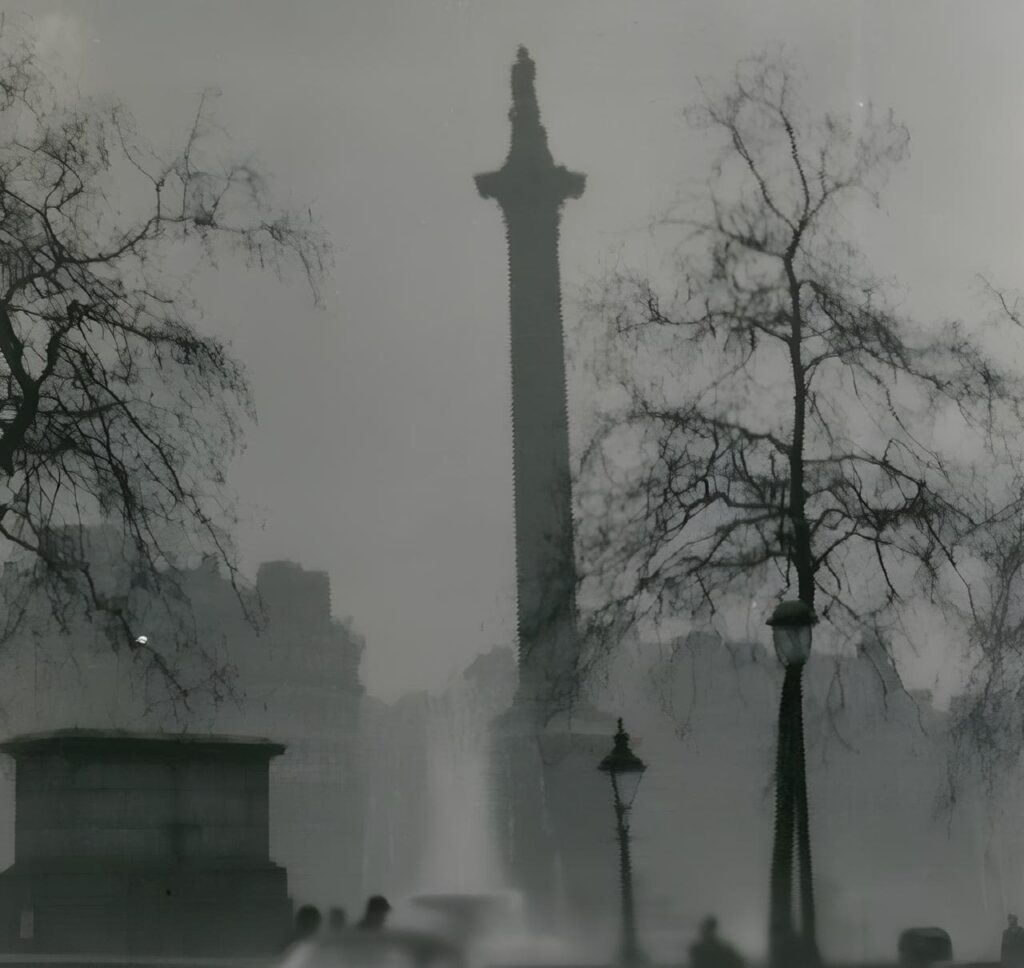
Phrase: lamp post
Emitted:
{"points": [[791, 624], [626, 769]]}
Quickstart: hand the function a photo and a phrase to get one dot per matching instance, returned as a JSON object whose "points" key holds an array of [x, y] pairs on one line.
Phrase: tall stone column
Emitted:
{"points": [[547, 788], [531, 190]]}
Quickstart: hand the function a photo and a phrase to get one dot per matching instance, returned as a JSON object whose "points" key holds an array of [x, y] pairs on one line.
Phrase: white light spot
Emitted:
{"points": [[860, 104], [142, 640]]}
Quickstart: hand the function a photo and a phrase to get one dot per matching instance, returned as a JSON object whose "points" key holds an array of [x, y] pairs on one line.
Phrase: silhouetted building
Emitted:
{"points": [[295, 677], [129, 844], [306, 686], [548, 795], [887, 854], [398, 828]]}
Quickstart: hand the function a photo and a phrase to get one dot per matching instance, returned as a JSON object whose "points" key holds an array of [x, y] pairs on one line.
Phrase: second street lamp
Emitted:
{"points": [[792, 623], [626, 769]]}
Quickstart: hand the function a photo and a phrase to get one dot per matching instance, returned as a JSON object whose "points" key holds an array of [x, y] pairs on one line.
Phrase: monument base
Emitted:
{"points": [[161, 912], [555, 822]]}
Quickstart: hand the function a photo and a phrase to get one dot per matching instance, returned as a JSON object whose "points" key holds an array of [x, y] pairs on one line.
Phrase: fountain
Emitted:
{"points": [[460, 855], [461, 889]]}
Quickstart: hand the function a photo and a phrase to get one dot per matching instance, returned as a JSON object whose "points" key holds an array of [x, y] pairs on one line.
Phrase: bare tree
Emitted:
{"points": [[780, 422], [114, 406], [988, 718], [778, 418]]}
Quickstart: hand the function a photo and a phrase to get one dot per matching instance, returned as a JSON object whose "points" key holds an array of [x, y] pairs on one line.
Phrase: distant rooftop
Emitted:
{"points": [[112, 740]]}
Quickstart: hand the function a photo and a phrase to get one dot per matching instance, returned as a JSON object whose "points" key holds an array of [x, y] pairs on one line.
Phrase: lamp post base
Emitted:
{"points": [[795, 952], [632, 957]]}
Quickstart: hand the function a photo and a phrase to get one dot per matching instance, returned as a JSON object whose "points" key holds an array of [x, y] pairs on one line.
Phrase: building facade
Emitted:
{"points": [[293, 675]]}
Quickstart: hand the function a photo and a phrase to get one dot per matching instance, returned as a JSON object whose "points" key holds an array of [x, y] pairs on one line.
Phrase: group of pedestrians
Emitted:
{"points": [[708, 951], [308, 921], [423, 949]]}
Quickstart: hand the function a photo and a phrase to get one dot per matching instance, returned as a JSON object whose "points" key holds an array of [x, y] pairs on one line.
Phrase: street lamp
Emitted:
{"points": [[626, 769], [791, 623]]}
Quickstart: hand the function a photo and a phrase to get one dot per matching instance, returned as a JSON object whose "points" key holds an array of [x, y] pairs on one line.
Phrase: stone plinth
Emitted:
{"points": [[142, 845]]}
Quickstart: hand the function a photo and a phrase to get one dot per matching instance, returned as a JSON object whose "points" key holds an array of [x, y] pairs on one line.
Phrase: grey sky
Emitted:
{"points": [[383, 452]]}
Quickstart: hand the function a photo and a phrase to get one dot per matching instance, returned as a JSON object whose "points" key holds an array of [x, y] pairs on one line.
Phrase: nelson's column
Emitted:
{"points": [[552, 810]]}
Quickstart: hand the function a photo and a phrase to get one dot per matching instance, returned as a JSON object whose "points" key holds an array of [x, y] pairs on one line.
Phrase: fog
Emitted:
{"points": [[383, 450], [382, 456]]}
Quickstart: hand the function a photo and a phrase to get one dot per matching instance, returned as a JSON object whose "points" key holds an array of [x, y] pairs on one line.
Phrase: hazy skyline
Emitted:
{"points": [[383, 452]]}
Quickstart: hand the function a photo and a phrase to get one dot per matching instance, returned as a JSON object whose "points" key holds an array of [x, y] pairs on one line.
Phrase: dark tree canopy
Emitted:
{"points": [[114, 405], [783, 430]]}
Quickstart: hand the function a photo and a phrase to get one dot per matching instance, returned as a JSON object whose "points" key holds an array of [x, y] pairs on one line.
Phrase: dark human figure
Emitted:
{"points": [[304, 931], [336, 920], [1012, 953], [377, 909], [709, 951], [307, 923]]}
